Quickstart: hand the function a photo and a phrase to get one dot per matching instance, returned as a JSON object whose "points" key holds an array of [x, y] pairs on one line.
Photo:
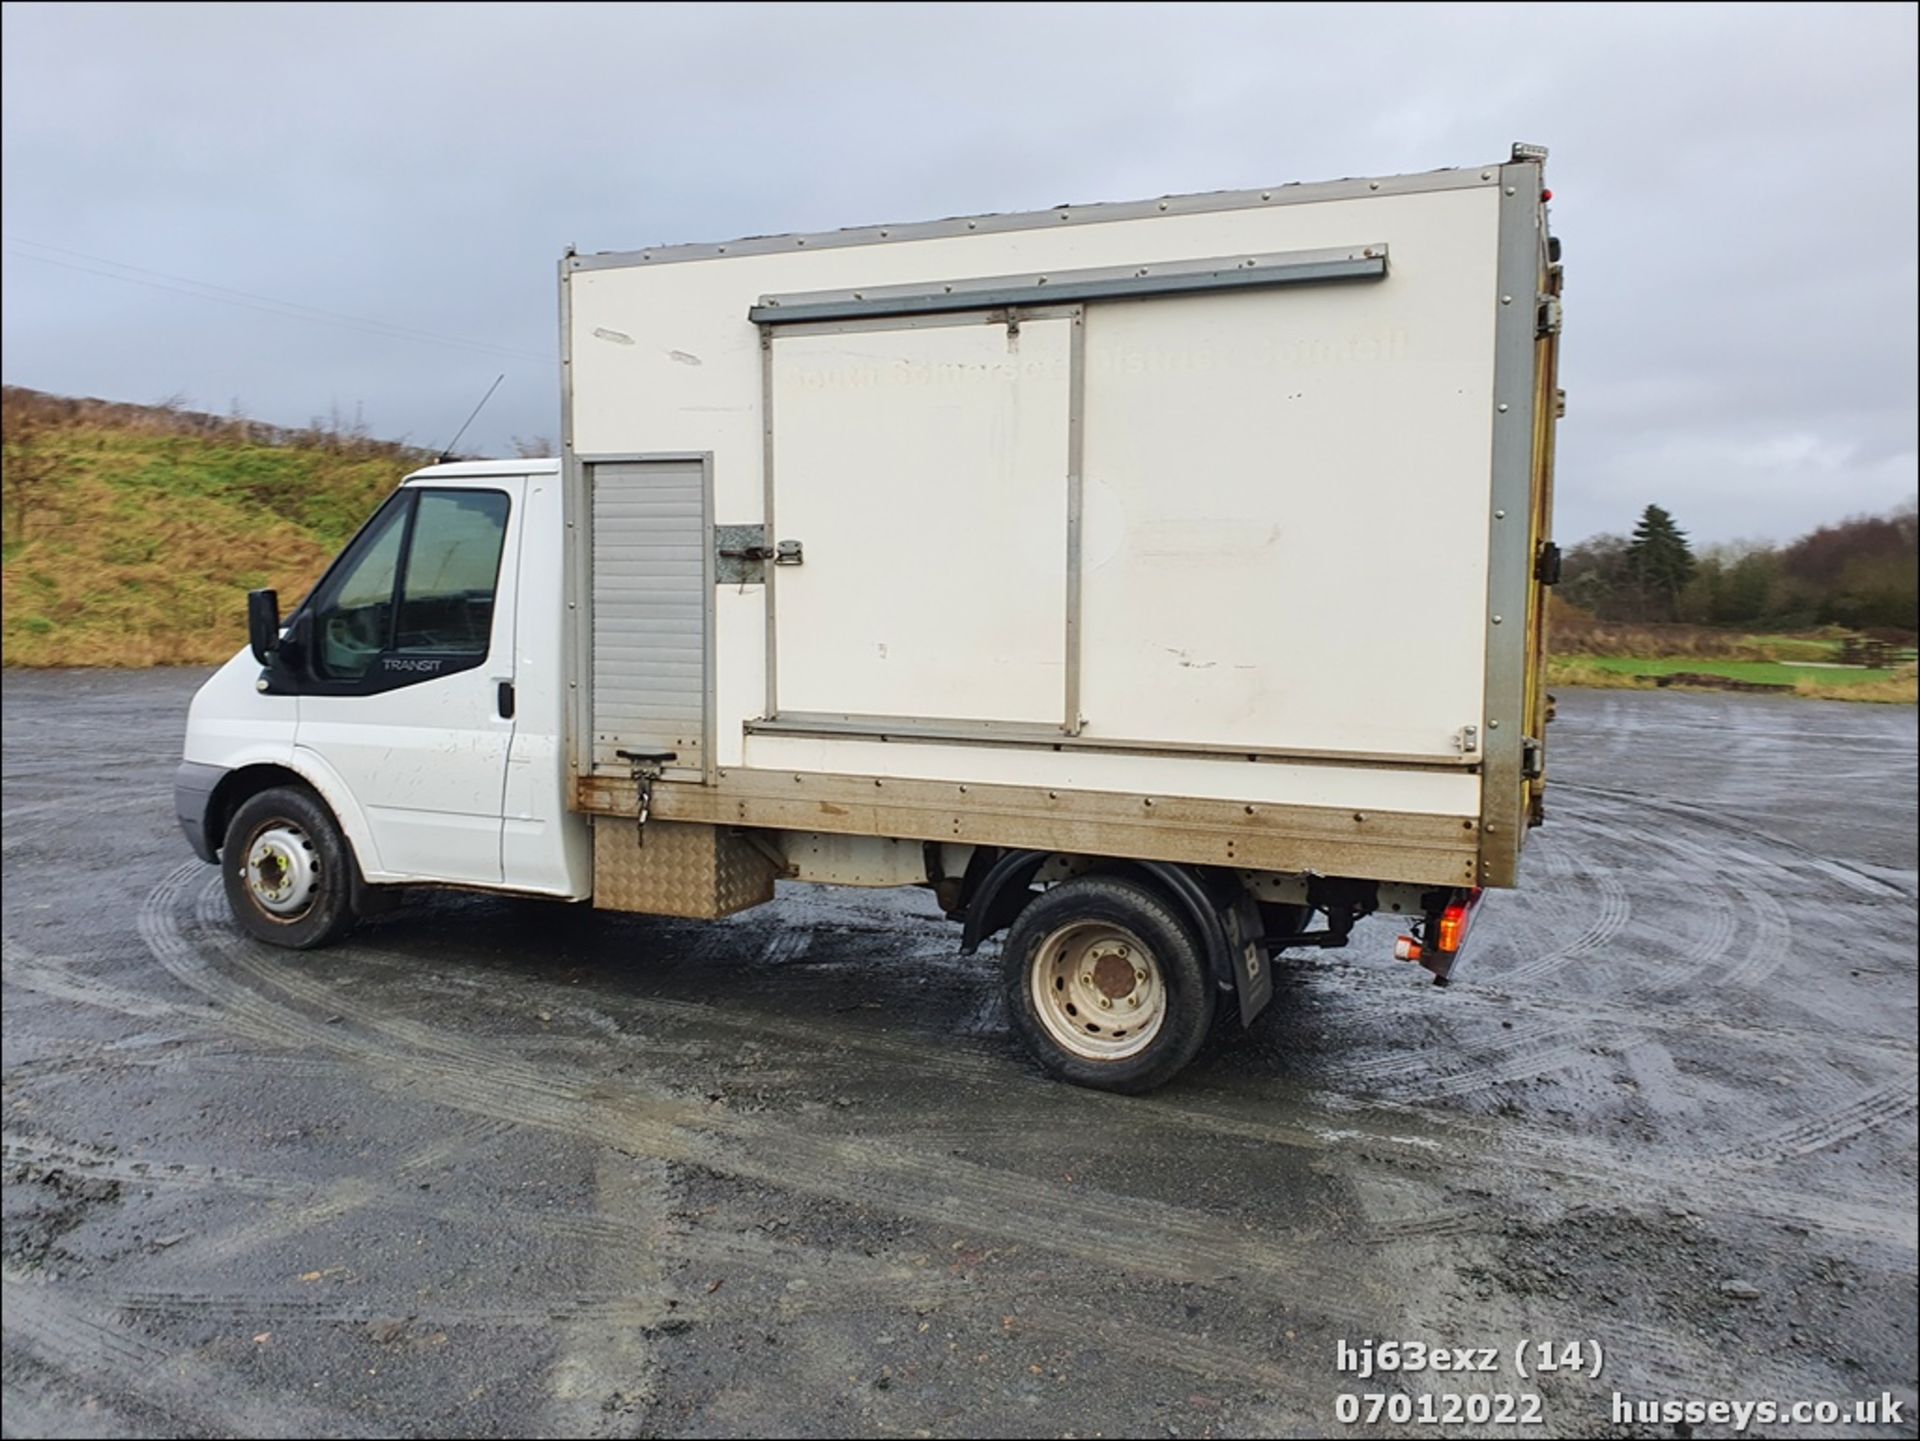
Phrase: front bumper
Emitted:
{"points": [[193, 788]]}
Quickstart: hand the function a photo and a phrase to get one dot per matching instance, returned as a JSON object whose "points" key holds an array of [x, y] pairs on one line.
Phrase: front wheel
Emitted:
{"points": [[1106, 985], [288, 873]]}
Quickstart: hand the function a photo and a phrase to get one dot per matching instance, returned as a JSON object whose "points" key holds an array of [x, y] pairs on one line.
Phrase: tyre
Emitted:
{"points": [[1106, 985], [288, 872]]}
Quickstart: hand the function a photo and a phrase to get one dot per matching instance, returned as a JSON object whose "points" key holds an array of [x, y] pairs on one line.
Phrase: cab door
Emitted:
{"points": [[406, 649]]}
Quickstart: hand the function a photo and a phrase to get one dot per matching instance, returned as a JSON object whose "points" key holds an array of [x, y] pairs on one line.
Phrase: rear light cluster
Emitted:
{"points": [[1446, 933], [1451, 933]]}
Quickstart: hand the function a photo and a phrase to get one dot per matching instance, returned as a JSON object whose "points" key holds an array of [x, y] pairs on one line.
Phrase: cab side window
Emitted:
{"points": [[446, 605], [419, 582]]}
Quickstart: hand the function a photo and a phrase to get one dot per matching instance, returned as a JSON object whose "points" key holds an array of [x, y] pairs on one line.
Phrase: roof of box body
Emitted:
{"points": [[1290, 194]]}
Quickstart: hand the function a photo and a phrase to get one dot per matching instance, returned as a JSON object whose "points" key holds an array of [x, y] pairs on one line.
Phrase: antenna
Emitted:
{"points": [[446, 454]]}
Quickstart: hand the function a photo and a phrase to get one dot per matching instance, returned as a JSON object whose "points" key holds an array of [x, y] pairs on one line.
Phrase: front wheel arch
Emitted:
{"points": [[237, 787]]}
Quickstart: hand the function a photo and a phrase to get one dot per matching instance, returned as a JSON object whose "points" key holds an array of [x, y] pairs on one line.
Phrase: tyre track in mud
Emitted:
{"points": [[838, 1048], [1642, 1357], [1570, 1037], [531, 1098], [1867, 1112], [1609, 915], [297, 1203], [1857, 876], [1531, 1050], [975, 1068], [1490, 1001], [54, 977], [837, 1280], [1762, 952], [894, 1176], [100, 1356], [1434, 1182], [48, 1152], [1127, 1234]]}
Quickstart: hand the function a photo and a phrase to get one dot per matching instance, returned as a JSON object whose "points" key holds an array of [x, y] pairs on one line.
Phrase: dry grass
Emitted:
{"points": [[1900, 688], [139, 549], [1608, 654], [1576, 633], [1576, 670]]}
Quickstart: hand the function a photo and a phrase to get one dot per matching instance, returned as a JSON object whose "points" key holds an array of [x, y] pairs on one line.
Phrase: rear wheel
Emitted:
{"points": [[1106, 985], [289, 876]]}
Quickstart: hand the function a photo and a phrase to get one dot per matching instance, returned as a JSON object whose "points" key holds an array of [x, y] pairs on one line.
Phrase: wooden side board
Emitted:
{"points": [[1402, 846]]}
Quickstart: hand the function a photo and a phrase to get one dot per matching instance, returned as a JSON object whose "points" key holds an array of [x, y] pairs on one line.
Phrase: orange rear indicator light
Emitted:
{"points": [[1451, 932]]}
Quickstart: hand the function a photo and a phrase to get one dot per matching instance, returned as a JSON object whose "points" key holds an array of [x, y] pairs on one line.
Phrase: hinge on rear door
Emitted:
{"points": [[1533, 759], [1468, 740], [1548, 316]]}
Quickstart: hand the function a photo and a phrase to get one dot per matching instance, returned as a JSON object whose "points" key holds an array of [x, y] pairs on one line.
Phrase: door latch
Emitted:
{"points": [[1546, 564], [787, 552], [646, 767]]}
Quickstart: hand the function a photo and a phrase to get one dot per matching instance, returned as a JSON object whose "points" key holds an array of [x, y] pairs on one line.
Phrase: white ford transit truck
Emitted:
{"points": [[1160, 584]]}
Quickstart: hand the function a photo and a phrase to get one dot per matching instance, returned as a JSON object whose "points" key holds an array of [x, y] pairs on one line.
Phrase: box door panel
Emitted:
{"points": [[923, 469]]}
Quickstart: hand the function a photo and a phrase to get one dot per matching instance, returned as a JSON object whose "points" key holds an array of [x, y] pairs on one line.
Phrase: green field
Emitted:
{"points": [[1763, 672], [1816, 682]]}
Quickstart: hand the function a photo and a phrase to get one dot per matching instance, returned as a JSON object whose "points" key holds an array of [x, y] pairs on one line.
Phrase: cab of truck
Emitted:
{"points": [[418, 693]]}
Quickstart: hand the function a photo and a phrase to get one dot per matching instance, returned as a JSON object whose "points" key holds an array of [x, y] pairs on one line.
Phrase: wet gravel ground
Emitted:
{"points": [[506, 1168]]}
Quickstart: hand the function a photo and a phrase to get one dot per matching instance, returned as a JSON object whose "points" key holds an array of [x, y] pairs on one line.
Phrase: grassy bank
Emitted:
{"points": [[133, 533]]}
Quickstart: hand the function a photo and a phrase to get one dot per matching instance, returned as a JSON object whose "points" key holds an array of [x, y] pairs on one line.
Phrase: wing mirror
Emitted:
{"points": [[263, 623]]}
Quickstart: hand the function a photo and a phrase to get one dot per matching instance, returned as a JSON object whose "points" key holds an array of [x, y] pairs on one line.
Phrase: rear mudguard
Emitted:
{"points": [[1222, 915]]}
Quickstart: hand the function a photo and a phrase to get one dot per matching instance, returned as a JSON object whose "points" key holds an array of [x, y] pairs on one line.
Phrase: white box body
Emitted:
{"points": [[1264, 539]]}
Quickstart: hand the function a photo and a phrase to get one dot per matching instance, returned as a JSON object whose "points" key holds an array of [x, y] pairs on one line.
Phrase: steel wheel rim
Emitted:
{"points": [[1099, 992], [281, 871]]}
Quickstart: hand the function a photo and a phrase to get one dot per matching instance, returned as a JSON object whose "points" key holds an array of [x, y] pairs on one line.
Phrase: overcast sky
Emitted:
{"points": [[388, 188]]}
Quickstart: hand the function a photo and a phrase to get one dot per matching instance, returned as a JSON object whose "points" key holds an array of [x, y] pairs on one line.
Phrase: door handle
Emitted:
{"points": [[503, 700]]}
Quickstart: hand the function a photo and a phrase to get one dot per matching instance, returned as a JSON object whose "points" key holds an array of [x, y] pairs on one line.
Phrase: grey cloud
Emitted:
{"points": [[1736, 187]]}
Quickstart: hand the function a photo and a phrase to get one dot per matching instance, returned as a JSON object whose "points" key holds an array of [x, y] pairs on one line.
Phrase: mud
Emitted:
{"points": [[504, 1168]]}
